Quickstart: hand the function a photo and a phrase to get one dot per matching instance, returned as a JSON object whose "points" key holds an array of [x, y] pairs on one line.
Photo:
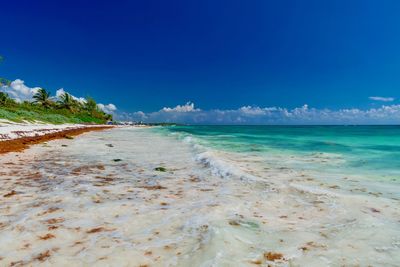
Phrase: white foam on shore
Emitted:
{"points": [[218, 161]]}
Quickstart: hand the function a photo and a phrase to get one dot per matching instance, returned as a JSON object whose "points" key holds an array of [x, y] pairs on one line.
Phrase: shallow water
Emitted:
{"points": [[98, 200]]}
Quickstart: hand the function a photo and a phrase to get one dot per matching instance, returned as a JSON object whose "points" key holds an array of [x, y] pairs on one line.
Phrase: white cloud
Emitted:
{"points": [[110, 108], [381, 98], [271, 115], [249, 110], [19, 91], [126, 116], [188, 107]]}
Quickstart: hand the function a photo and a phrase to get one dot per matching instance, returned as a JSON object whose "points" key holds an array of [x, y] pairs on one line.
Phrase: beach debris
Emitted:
{"points": [[160, 169], [95, 230], [96, 199], [17, 263], [13, 192], [247, 224], [256, 261], [87, 169], [69, 137], [273, 256], [375, 210], [163, 204], [26, 246], [376, 194], [64, 145], [98, 230], [206, 189], [43, 256], [100, 167], [103, 258], [117, 160], [55, 220], [203, 228], [47, 236], [109, 145], [153, 187], [234, 223], [148, 253], [323, 234], [194, 179], [310, 245]]}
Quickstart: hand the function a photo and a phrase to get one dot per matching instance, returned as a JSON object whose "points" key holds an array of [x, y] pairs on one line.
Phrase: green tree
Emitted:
{"points": [[42, 97], [5, 99], [108, 117], [4, 82], [68, 102], [90, 105]]}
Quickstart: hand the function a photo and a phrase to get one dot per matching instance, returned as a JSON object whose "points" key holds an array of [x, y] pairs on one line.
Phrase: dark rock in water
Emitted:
{"points": [[109, 145], [160, 169], [69, 137], [64, 145], [117, 160], [234, 223]]}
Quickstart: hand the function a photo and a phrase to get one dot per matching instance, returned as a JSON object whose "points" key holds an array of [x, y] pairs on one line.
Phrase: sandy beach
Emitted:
{"points": [[131, 197], [19, 136]]}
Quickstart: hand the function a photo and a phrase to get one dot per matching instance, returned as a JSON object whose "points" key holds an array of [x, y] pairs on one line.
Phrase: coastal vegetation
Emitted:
{"points": [[45, 108], [49, 109]]}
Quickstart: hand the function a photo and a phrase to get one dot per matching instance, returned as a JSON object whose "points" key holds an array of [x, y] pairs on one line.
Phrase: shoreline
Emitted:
{"points": [[25, 139]]}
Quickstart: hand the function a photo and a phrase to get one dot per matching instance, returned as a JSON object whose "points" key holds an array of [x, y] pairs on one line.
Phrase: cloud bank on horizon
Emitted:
{"points": [[381, 98], [188, 114], [20, 92]]}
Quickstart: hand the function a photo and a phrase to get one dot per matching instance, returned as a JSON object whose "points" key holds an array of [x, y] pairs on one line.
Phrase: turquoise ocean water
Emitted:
{"points": [[370, 151]]}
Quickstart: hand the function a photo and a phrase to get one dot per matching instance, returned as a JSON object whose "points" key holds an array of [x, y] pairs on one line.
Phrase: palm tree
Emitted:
{"points": [[68, 102], [42, 97], [4, 82], [90, 104], [5, 99]]}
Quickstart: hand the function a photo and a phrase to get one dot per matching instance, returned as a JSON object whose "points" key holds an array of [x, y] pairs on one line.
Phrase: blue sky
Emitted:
{"points": [[220, 54]]}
